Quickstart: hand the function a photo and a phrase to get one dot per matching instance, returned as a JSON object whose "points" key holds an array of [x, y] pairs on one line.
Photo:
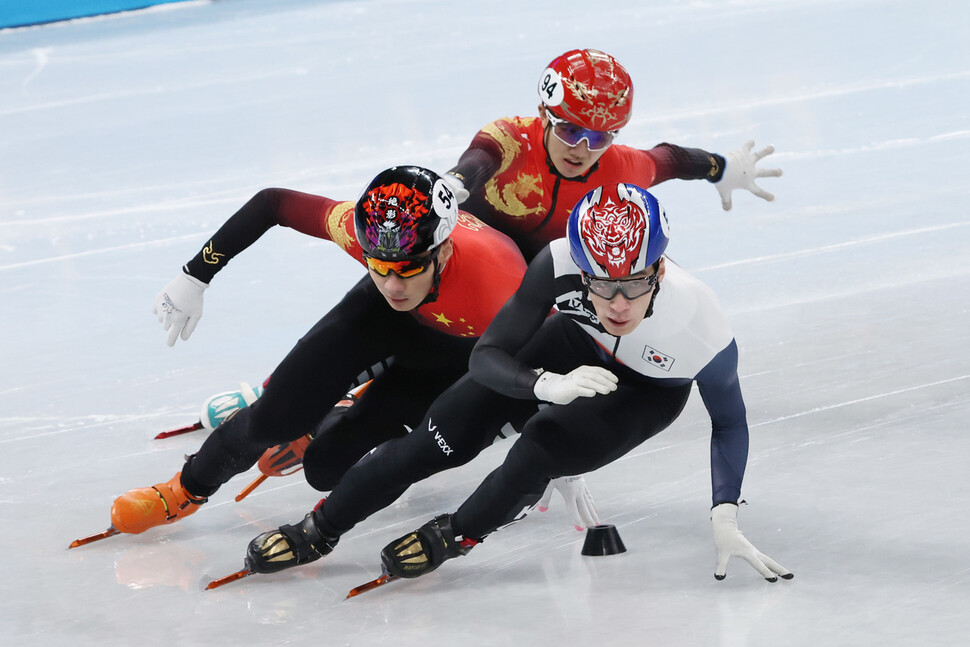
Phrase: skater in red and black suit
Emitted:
{"points": [[524, 175], [436, 277]]}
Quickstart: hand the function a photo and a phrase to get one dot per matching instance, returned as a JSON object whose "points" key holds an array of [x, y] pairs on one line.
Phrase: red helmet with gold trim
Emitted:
{"points": [[588, 88]]}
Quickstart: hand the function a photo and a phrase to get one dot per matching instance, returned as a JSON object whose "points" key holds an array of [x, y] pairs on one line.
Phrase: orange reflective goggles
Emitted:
{"points": [[404, 269]]}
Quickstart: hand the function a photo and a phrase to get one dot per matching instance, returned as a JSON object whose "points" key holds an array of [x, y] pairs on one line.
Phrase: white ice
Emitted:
{"points": [[125, 141]]}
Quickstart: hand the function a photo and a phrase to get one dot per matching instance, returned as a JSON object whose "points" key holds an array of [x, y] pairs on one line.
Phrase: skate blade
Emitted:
{"points": [[370, 586], [179, 431], [252, 486], [110, 532], [238, 575]]}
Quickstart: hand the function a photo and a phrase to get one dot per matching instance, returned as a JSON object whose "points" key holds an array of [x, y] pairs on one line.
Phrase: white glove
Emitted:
{"points": [[740, 173], [729, 542], [178, 306], [457, 187], [585, 381], [579, 502]]}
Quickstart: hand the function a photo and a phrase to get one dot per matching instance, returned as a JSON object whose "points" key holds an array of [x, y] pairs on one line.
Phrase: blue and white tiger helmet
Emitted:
{"points": [[617, 230]]}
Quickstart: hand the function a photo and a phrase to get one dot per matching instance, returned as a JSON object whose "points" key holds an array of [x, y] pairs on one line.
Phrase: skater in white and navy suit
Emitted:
{"points": [[633, 332]]}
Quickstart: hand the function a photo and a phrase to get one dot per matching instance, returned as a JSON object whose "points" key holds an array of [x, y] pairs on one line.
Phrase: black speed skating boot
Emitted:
{"points": [[288, 546], [424, 550]]}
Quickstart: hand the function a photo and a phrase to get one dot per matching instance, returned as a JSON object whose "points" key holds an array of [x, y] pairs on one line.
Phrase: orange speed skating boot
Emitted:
{"points": [[136, 511]]}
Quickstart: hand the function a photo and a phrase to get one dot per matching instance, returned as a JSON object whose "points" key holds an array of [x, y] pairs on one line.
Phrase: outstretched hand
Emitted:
{"points": [[178, 307], [578, 500], [740, 172], [729, 542]]}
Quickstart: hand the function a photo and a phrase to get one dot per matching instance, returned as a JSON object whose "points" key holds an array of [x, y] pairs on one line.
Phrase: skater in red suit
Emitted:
{"points": [[436, 277]]}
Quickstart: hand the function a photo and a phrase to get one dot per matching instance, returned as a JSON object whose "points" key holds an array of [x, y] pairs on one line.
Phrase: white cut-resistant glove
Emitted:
{"points": [[579, 502], [457, 187], [178, 306], [729, 542], [740, 172], [585, 381]]}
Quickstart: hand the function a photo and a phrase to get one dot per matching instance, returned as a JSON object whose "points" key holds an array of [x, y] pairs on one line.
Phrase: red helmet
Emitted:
{"points": [[588, 88]]}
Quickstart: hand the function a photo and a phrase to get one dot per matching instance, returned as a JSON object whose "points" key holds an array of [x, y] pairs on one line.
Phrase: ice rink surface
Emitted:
{"points": [[125, 141]]}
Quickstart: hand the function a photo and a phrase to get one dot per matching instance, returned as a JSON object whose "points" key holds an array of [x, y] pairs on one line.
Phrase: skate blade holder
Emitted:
{"points": [[603, 540]]}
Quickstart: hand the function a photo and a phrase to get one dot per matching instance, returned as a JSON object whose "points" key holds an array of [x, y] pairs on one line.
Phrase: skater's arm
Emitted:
{"points": [[679, 163], [493, 362], [308, 214], [735, 170], [178, 307], [477, 165], [721, 391]]}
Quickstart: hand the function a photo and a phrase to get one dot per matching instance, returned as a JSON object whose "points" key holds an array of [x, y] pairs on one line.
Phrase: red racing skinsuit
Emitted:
{"points": [[514, 187], [426, 349]]}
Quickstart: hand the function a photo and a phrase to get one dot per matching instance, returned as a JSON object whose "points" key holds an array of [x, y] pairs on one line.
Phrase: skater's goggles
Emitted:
{"points": [[571, 134], [404, 269], [631, 288]]}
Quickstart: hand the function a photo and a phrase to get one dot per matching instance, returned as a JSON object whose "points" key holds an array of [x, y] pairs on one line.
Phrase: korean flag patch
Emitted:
{"points": [[657, 359]]}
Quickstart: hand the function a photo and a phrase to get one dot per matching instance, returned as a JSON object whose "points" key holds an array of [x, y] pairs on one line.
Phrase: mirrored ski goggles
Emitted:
{"points": [[404, 269], [571, 134], [631, 288]]}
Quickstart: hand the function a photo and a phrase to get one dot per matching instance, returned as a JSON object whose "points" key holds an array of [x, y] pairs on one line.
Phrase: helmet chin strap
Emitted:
{"points": [[435, 283], [656, 291], [649, 311]]}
